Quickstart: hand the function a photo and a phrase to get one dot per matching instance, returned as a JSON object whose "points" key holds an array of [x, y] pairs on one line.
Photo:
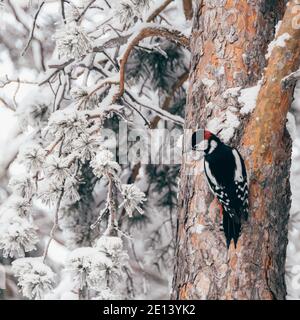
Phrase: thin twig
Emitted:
{"points": [[147, 123], [8, 81], [55, 226], [59, 67], [62, 3], [84, 10], [97, 88], [158, 10], [6, 104], [33, 28], [160, 112], [51, 148], [15, 94]]}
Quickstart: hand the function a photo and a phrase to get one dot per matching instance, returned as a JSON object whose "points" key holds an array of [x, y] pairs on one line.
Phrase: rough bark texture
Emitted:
{"points": [[232, 36]]}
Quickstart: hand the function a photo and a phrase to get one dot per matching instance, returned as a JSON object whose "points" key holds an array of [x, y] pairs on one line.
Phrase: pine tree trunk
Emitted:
{"points": [[229, 42]]}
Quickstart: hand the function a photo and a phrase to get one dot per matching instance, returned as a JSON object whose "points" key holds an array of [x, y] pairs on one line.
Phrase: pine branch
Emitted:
{"points": [[168, 99], [188, 9], [147, 32]]}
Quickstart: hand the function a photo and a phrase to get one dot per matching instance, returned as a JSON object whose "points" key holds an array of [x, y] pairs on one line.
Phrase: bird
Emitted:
{"points": [[226, 175]]}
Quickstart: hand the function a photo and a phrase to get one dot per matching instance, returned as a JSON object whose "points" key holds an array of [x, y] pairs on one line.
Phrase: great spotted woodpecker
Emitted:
{"points": [[226, 175]]}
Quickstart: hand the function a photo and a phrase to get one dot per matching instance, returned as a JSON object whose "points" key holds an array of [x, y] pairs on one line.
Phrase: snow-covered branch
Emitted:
{"points": [[146, 31]]}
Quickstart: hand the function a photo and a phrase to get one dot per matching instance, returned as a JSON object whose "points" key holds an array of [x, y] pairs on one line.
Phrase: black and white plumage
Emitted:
{"points": [[226, 175]]}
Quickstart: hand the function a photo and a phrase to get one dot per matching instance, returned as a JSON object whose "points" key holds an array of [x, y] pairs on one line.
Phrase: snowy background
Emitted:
{"points": [[54, 166]]}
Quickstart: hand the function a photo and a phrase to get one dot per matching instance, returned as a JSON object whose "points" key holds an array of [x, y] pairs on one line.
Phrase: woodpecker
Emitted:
{"points": [[226, 175]]}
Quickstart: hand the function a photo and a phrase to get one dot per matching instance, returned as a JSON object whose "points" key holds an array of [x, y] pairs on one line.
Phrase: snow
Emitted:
{"points": [[221, 71], [279, 42], [277, 28], [291, 125], [232, 122], [293, 249], [58, 253], [227, 123], [232, 92], [34, 277], [208, 82], [133, 198], [248, 99]]}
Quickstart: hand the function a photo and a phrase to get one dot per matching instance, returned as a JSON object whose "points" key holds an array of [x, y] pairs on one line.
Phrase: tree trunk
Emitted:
{"points": [[229, 42]]}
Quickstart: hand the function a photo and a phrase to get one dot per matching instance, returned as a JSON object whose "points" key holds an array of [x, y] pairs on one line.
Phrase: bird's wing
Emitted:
{"points": [[217, 189], [241, 182]]}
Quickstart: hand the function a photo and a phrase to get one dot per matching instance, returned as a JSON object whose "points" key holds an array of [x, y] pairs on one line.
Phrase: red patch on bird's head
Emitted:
{"points": [[207, 135]]}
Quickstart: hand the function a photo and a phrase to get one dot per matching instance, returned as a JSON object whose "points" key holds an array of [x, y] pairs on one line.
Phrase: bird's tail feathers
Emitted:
{"points": [[232, 228]]}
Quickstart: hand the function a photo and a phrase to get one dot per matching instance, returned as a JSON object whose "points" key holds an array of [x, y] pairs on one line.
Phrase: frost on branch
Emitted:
{"points": [[72, 41], [33, 157], [68, 123], [104, 165], [78, 192], [86, 146], [133, 198], [82, 94], [112, 246], [108, 294], [71, 194], [17, 235], [34, 111], [57, 169], [34, 277], [21, 206], [100, 268], [22, 186], [50, 193], [129, 11]]}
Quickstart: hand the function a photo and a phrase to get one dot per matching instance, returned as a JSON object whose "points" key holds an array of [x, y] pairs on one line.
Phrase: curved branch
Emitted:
{"points": [[147, 32], [188, 9]]}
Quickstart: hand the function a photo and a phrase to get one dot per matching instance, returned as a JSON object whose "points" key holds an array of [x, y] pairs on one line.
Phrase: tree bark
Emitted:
{"points": [[229, 42]]}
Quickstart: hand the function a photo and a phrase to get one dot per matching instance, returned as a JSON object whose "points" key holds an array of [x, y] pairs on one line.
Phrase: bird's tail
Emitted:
{"points": [[232, 228]]}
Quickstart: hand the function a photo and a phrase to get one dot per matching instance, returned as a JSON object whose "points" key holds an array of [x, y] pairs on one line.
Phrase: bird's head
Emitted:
{"points": [[205, 141]]}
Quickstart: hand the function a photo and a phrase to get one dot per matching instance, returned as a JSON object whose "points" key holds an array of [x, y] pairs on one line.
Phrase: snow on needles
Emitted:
{"points": [[34, 277]]}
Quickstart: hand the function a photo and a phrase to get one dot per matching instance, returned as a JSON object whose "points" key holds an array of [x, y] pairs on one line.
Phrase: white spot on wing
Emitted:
{"points": [[238, 175], [209, 174]]}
